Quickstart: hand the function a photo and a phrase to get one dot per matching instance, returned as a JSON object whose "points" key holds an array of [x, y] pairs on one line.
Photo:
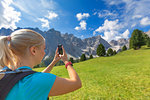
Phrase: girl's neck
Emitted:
{"points": [[24, 63]]}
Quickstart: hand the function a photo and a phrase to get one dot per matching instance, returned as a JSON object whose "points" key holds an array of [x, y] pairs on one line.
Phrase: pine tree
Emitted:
{"points": [[91, 56], [71, 59], [101, 50], [124, 48], [83, 57], [110, 52], [107, 54], [137, 39], [146, 38], [115, 52]]}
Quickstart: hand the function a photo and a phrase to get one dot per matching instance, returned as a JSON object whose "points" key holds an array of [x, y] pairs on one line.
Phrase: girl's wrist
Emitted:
{"points": [[68, 63], [65, 62]]}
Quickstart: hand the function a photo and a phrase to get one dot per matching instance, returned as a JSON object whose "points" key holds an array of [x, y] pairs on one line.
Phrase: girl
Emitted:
{"points": [[24, 48]]}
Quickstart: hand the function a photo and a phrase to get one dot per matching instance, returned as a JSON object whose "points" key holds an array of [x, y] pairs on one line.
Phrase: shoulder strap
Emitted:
{"points": [[5, 69], [10, 79]]}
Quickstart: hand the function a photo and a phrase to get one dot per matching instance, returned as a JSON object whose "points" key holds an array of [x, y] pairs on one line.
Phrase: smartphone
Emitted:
{"points": [[60, 49]]}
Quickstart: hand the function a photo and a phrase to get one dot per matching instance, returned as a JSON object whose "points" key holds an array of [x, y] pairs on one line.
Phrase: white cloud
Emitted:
{"points": [[94, 13], [82, 22], [111, 29], [136, 16], [132, 11], [113, 2], [35, 11], [8, 15], [82, 36], [106, 13], [126, 34], [77, 28], [145, 21], [51, 15], [22, 6], [50, 4], [32, 7], [116, 2], [82, 26], [45, 22], [133, 25], [109, 25], [81, 16]]}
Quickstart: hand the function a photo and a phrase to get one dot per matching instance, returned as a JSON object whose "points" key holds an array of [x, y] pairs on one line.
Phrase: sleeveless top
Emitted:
{"points": [[32, 87]]}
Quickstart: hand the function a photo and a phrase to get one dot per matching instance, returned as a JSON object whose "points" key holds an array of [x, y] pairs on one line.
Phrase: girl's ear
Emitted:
{"points": [[33, 50]]}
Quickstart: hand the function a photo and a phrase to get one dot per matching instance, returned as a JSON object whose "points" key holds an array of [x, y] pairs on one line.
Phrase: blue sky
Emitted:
{"points": [[112, 19]]}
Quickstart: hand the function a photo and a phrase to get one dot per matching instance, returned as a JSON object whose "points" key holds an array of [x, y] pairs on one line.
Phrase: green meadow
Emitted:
{"points": [[125, 76]]}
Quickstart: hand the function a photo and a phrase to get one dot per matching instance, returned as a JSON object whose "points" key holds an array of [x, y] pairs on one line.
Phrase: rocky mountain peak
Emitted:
{"points": [[118, 44]]}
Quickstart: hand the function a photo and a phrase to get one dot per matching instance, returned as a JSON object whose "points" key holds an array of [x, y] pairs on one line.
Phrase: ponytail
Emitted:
{"points": [[17, 45], [6, 56]]}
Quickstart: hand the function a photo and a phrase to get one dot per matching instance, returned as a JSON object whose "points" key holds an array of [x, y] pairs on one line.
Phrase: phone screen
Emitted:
{"points": [[60, 49]]}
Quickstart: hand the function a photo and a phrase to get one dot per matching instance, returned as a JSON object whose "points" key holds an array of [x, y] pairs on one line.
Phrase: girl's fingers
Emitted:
{"points": [[57, 54], [60, 56], [63, 50], [56, 50]]}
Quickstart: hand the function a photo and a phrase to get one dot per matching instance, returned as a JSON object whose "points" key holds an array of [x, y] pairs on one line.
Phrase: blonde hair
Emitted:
{"points": [[19, 44]]}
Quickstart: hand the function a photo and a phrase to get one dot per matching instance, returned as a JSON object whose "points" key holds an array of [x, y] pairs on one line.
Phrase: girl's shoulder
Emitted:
{"points": [[40, 77]]}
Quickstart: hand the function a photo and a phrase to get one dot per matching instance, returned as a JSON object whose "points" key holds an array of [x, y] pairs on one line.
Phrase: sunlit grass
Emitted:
{"points": [[125, 76]]}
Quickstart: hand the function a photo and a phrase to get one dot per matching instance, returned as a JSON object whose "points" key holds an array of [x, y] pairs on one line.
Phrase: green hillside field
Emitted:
{"points": [[125, 76]]}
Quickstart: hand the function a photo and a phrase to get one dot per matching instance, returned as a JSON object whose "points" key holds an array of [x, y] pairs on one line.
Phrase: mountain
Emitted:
{"points": [[117, 45], [88, 45], [4, 31], [92, 44], [74, 46]]}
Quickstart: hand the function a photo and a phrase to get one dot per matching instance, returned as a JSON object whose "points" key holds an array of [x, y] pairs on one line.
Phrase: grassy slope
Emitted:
{"points": [[125, 76]]}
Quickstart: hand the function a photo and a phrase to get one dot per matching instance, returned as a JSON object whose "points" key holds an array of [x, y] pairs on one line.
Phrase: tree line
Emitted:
{"points": [[100, 52]]}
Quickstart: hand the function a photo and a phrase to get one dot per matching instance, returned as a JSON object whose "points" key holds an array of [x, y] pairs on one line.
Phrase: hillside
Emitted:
{"points": [[124, 76]]}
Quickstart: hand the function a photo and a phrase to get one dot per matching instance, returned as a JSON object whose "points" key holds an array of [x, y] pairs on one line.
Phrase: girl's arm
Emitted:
{"points": [[55, 60], [66, 85], [49, 67]]}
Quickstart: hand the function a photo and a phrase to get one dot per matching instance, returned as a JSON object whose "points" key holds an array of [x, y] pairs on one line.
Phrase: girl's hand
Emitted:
{"points": [[64, 56], [57, 57]]}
